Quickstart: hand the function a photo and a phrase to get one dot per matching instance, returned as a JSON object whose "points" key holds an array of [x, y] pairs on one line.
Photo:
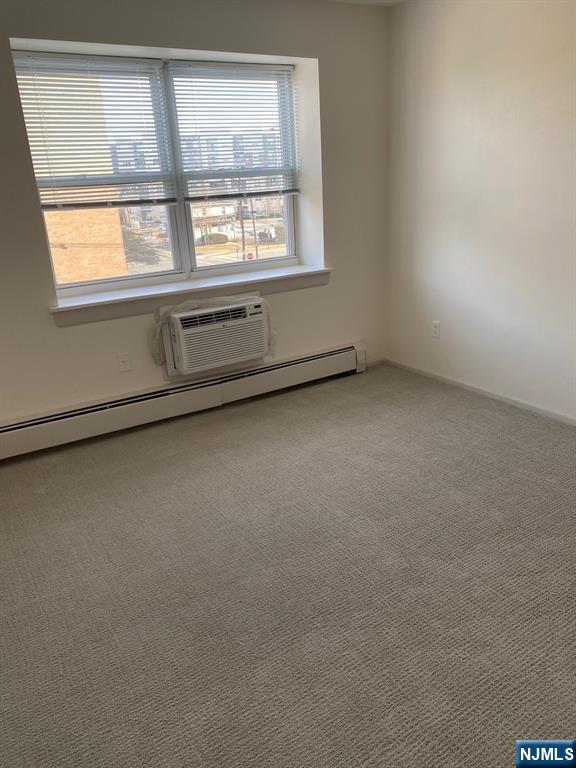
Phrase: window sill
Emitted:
{"points": [[106, 305]]}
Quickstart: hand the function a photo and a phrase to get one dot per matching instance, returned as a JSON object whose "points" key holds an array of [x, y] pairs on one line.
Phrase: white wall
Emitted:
{"points": [[44, 367], [481, 184], [483, 195]]}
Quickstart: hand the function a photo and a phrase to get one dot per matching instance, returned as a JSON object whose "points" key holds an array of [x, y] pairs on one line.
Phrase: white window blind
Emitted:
{"points": [[98, 130], [235, 127]]}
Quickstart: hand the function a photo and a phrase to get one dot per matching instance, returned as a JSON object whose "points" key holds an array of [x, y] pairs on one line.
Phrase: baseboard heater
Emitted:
{"points": [[175, 400]]}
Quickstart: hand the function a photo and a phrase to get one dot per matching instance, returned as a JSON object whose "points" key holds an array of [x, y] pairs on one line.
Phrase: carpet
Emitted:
{"points": [[375, 570]]}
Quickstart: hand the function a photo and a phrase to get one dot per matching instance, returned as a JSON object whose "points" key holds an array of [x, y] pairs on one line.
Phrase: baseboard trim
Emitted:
{"points": [[100, 418], [525, 406]]}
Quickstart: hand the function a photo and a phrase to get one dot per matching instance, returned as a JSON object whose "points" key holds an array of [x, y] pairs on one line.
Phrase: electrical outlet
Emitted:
{"points": [[124, 363], [436, 329]]}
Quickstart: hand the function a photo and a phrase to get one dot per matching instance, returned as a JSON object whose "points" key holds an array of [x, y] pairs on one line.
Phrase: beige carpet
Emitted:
{"points": [[372, 571]]}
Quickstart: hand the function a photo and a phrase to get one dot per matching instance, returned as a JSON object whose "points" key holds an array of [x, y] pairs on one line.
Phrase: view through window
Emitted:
{"points": [[106, 243], [239, 230]]}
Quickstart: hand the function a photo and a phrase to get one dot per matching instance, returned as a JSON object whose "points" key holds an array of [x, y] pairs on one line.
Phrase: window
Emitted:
{"points": [[150, 170]]}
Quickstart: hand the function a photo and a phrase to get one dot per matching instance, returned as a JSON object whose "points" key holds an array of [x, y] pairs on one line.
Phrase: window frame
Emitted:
{"points": [[179, 215]]}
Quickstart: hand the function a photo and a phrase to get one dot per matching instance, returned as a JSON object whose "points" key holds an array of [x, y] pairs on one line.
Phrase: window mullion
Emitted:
{"points": [[184, 220], [290, 224]]}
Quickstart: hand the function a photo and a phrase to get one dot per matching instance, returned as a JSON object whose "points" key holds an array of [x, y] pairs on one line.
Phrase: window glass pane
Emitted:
{"points": [[102, 243], [242, 230]]}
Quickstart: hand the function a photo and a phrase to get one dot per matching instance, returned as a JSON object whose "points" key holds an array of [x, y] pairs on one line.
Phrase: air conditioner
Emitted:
{"points": [[218, 337]]}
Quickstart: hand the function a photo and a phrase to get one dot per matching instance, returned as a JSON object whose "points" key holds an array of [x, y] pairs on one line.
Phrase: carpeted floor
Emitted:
{"points": [[372, 571]]}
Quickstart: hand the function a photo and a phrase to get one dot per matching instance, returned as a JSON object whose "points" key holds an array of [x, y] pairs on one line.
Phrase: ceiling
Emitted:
{"points": [[369, 2]]}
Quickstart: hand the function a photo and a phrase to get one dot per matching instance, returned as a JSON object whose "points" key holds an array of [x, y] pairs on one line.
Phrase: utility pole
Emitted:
{"points": [[242, 229]]}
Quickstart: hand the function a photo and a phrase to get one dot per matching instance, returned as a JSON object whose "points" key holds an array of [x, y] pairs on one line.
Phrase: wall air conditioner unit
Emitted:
{"points": [[218, 337]]}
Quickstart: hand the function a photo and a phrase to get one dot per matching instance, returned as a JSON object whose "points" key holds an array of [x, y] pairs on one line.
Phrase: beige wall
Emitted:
{"points": [[483, 195], [45, 367]]}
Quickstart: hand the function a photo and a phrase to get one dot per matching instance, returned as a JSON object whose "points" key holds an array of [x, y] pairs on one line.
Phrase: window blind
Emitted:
{"points": [[235, 127], [98, 130], [111, 131]]}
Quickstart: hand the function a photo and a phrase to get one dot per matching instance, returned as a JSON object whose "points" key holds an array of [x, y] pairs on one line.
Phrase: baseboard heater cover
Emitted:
{"points": [[175, 400]]}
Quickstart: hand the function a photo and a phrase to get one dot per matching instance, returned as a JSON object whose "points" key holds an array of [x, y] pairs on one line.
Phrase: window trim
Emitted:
{"points": [[106, 305], [162, 279]]}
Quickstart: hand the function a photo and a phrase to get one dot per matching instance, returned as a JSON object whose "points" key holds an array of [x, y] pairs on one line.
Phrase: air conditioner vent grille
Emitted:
{"points": [[219, 336], [210, 318]]}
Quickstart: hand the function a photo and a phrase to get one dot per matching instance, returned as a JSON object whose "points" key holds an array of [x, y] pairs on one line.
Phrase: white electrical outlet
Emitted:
{"points": [[436, 329], [124, 363]]}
